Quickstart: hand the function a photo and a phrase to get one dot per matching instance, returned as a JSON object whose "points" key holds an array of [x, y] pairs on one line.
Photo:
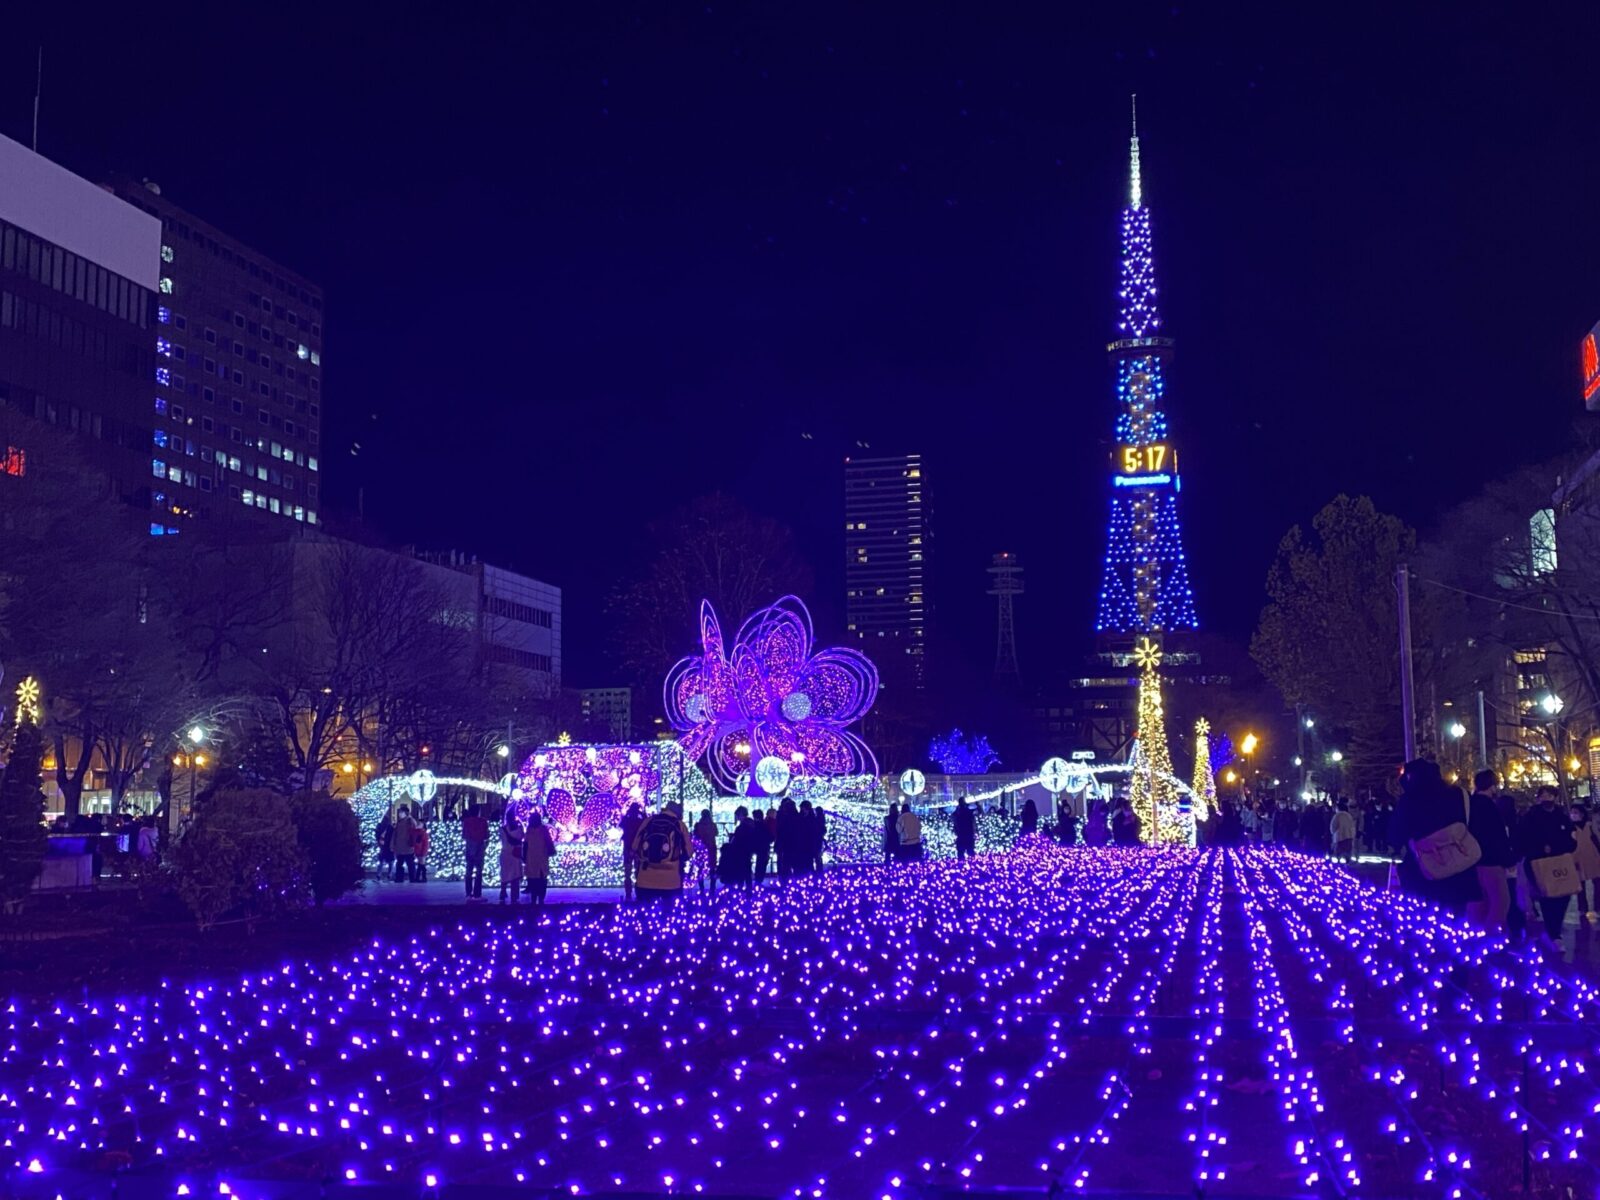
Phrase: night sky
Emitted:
{"points": [[586, 261]]}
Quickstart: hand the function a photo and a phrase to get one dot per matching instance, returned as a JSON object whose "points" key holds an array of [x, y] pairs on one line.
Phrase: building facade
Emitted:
{"points": [[78, 317], [611, 707], [518, 620], [887, 550], [236, 409]]}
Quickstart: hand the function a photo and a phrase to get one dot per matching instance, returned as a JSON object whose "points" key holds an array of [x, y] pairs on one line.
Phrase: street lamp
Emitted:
{"points": [[1249, 744], [1298, 761], [196, 734], [1310, 724], [1457, 730], [1552, 704], [1336, 756]]}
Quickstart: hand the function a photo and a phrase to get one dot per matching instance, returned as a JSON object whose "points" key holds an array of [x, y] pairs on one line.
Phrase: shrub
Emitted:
{"points": [[22, 836], [240, 854], [330, 835]]}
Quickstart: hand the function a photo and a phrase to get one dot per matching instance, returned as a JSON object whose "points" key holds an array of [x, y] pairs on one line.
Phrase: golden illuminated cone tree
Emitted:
{"points": [[1154, 798]]}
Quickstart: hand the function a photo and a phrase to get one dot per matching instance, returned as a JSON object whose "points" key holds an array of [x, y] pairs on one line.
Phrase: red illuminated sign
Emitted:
{"points": [[1591, 368], [15, 461]]}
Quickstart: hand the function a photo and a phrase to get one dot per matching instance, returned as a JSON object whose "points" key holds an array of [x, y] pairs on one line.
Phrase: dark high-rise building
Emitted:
{"points": [[887, 544], [238, 376], [79, 318]]}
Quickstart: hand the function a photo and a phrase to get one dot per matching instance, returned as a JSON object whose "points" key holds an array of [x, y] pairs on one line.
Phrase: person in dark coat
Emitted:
{"points": [[1030, 817], [761, 827], [891, 834], [789, 839], [1067, 828], [819, 834], [1486, 824], [1427, 804], [966, 826], [1545, 831], [1124, 825], [733, 865]]}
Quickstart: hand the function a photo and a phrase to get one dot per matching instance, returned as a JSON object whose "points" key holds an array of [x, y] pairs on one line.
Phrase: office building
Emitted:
{"points": [[518, 619], [237, 397], [887, 547], [78, 316], [611, 708]]}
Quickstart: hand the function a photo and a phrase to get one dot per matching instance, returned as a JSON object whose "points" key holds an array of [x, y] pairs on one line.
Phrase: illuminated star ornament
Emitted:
{"points": [[28, 698], [1147, 655], [772, 694]]}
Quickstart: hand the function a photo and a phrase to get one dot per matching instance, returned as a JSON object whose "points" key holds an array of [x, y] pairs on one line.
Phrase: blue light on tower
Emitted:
{"points": [[1144, 586]]}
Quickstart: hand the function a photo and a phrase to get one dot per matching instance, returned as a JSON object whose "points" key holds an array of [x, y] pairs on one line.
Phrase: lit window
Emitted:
{"points": [[311, 517], [166, 254], [163, 314], [161, 405], [273, 504], [303, 351], [163, 377], [163, 347], [248, 496], [157, 529], [316, 359], [158, 468], [299, 513], [166, 286], [161, 438], [312, 463]]}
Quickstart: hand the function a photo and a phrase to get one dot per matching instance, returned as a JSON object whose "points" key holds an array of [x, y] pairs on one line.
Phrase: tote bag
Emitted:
{"points": [[1556, 876], [1448, 851]]}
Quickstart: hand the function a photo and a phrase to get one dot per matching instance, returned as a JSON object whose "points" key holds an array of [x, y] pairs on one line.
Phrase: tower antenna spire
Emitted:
{"points": [[1135, 191]]}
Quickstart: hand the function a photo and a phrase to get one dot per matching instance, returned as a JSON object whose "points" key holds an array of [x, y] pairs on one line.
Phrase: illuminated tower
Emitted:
{"points": [[1144, 589], [1005, 588]]}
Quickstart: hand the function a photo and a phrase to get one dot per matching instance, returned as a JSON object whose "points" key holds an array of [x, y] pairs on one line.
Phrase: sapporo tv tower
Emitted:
{"points": [[1144, 587]]}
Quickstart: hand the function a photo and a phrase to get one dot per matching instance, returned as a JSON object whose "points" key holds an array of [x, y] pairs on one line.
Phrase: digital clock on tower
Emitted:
{"points": [[1154, 458]]}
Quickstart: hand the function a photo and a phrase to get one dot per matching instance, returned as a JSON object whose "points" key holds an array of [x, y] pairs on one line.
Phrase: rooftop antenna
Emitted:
{"points": [[38, 86], [1136, 192]]}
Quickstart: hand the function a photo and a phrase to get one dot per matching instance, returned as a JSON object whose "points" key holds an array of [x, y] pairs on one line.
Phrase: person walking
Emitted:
{"points": [[819, 836], [511, 864], [705, 836], [538, 849], [1343, 829], [632, 821], [475, 844], [1030, 817], [966, 828], [909, 826], [761, 827], [384, 837], [734, 867], [1517, 903], [402, 842], [1586, 853], [1545, 837], [659, 849], [891, 834], [1488, 829]]}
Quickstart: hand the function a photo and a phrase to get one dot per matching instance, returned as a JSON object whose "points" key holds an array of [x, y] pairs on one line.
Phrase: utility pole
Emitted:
{"points": [[1483, 735], [1402, 585]]}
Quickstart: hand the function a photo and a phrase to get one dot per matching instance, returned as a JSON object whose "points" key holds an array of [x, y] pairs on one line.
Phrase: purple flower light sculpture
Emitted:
{"points": [[771, 695]]}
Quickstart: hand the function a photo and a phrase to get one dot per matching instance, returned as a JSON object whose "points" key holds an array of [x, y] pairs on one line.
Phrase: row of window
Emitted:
{"points": [[181, 229], [177, 412], [499, 606], [66, 333], [72, 275], [526, 659]]}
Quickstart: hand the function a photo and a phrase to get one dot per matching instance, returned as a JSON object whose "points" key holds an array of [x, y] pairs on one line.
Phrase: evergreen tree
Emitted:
{"points": [[22, 835], [1205, 783], [1154, 799]]}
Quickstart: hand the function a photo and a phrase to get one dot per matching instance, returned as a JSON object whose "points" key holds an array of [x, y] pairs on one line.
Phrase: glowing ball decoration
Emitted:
{"points": [[772, 775], [771, 694], [912, 782]]}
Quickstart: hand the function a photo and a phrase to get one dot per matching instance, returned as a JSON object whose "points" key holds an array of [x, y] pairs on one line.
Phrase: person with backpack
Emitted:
{"points": [[632, 821], [402, 843], [705, 836], [659, 849], [538, 848]]}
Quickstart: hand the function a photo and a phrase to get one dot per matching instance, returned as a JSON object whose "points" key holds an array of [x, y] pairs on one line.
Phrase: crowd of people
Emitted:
{"points": [[1503, 866]]}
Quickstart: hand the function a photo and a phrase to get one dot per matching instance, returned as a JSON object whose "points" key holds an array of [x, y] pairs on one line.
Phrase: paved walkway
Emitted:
{"points": [[452, 892]]}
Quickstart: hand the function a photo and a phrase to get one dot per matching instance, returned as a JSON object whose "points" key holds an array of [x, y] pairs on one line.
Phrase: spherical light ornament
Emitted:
{"points": [[695, 708], [772, 774], [1055, 775], [912, 782], [797, 706], [422, 785]]}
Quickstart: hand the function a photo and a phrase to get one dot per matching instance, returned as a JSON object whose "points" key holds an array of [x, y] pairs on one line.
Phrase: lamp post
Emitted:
{"points": [[193, 760]]}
